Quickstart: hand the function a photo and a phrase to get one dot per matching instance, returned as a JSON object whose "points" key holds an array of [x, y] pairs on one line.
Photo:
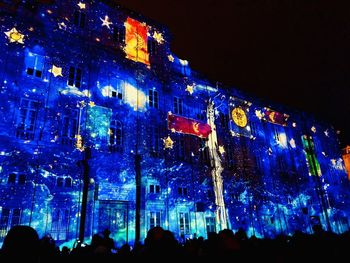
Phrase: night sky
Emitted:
{"points": [[294, 52]]}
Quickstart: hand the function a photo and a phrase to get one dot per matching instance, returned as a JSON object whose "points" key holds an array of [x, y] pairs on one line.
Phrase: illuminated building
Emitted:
{"points": [[346, 158], [92, 98]]}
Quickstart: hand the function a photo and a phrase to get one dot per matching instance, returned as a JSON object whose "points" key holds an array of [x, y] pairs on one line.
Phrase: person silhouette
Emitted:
{"points": [[107, 241], [21, 242]]}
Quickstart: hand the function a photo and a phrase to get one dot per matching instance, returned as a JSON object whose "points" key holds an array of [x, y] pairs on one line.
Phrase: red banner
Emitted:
{"points": [[276, 117], [188, 126]]}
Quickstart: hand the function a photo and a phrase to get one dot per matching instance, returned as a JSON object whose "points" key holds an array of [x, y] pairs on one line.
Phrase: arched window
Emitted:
{"points": [[115, 136]]}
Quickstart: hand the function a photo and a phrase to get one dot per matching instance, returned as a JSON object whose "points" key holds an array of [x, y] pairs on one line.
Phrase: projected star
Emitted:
{"points": [[170, 58], [158, 37], [168, 143], [81, 5], [14, 36], [259, 114], [92, 104], [56, 71], [62, 25], [189, 88], [106, 22], [221, 149]]}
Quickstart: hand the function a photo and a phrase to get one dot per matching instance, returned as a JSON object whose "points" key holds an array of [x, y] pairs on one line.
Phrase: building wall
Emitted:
{"points": [[119, 108]]}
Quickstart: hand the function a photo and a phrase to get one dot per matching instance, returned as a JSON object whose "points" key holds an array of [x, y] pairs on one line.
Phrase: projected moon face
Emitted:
{"points": [[196, 127], [239, 117]]}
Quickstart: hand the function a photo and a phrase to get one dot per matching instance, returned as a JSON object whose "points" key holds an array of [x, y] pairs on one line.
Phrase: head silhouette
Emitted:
{"points": [[21, 242]]}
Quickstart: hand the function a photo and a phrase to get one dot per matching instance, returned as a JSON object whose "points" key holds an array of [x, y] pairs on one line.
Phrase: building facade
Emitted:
{"points": [[95, 106]]}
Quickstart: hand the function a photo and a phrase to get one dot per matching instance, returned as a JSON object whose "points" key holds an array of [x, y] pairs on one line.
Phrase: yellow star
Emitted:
{"points": [[173, 130], [15, 36], [62, 25], [259, 114], [171, 58], [92, 104], [313, 129], [168, 143], [81, 5], [221, 149], [106, 22], [56, 71], [158, 37], [189, 88], [183, 62]]}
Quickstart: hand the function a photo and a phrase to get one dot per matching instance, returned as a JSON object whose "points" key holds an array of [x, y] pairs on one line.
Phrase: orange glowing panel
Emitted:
{"points": [[136, 41], [346, 158]]}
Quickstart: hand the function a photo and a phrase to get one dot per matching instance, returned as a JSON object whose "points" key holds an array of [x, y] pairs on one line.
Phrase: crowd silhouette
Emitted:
{"points": [[23, 242]]}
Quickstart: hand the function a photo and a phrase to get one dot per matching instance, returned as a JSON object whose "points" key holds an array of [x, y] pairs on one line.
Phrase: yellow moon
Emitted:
{"points": [[239, 117], [195, 127]]}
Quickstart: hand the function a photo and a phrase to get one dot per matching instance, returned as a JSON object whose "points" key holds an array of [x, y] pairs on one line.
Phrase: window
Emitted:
{"points": [[152, 47], [115, 136], [154, 189], [21, 179], [34, 64], [258, 162], [59, 182], [26, 120], [178, 105], [204, 152], [119, 34], [182, 191], [8, 219], [59, 227], [4, 222], [202, 116], [68, 182], [79, 19], [210, 224], [184, 223], [69, 127], [224, 120], [276, 134], [74, 77], [253, 128], [154, 142], [153, 98], [229, 157], [11, 179], [180, 148], [154, 219], [16, 217]]}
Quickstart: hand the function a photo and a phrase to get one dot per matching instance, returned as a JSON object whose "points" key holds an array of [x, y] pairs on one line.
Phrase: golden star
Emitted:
{"points": [[173, 130], [56, 71], [259, 114], [221, 149], [92, 104], [62, 25], [81, 5], [106, 22], [171, 58], [158, 37], [168, 143], [15, 36], [189, 88]]}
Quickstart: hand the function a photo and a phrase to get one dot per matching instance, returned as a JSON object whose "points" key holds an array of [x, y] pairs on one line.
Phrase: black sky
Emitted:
{"points": [[294, 52]]}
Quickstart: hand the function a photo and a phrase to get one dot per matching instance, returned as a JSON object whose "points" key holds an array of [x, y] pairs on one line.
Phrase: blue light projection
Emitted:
{"points": [[68, 86]]}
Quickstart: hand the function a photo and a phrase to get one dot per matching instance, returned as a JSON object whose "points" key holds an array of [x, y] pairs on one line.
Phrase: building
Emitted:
{"points": [[346, 158], [100, 118]]}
